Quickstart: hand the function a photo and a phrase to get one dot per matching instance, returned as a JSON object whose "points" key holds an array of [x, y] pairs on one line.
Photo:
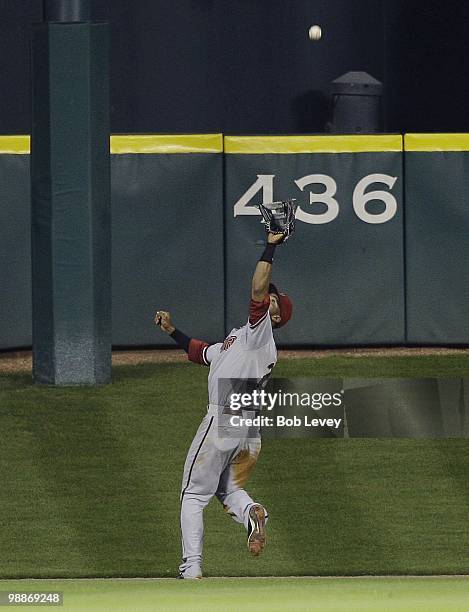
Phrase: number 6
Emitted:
{"points": [[360, 198]]}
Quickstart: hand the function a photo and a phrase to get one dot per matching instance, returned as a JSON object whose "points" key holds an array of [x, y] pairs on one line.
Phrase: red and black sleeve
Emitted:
{"points": [[258, 311], [195, 349], [198, 351]]}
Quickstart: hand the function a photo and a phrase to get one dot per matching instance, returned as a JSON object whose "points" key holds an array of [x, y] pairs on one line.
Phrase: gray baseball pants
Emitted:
{"points": [[219, 462]]}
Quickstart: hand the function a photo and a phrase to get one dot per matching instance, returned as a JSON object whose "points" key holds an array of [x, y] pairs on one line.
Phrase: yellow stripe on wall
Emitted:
{"points": [[213, 143], [15, 145], [313, 144], [146, 143], [178, 143], [436, 142]]}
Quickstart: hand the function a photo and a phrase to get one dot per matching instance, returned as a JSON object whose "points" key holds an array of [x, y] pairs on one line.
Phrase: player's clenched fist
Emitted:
{"points": [[163, 320]]}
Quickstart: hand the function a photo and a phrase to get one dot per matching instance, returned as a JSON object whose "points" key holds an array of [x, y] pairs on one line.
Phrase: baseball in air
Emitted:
{"points": [[315, 32]]}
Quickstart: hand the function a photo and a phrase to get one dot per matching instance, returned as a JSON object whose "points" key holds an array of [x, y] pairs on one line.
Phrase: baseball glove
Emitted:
{"points": [[279, 217]]}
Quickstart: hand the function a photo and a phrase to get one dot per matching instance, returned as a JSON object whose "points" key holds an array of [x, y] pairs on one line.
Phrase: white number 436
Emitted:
{"points": [[360, 199]]}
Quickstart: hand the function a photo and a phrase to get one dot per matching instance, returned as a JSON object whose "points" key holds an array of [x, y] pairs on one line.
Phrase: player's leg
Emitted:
{"points": [[204, 464], [192, 534], [236, 501], [231, 492]]}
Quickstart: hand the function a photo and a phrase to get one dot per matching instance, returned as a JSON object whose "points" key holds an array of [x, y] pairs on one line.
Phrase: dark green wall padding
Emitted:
{"points": [[437, 244], [345, 277], [167, 245]]}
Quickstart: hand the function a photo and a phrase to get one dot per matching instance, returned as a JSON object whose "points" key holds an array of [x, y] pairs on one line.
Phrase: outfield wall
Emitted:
{"points": [[378, 258], [344, 268]]}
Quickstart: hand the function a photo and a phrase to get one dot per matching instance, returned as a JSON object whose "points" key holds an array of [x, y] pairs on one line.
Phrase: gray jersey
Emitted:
{"points": [[248, 353]]}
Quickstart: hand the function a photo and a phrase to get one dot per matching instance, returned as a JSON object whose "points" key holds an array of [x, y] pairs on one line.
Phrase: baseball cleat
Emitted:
{"points": [[256, 530], [181, 576]]}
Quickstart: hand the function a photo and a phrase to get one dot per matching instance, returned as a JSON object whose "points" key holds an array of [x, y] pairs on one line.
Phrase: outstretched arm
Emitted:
{"points": [[263, 271], [195, 349]]}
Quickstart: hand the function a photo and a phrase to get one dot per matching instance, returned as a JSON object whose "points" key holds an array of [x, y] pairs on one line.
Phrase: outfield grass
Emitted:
{"points": [[90, 483], [273, 594], [336, 366]]}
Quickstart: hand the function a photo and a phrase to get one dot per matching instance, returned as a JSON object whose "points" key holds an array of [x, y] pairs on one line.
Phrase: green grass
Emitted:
{"points": [[386, 367], [272, 594], [90, 483]]}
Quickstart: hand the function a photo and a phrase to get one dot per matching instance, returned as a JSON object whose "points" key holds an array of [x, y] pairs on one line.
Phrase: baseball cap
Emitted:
{"points": [[285, 304]]}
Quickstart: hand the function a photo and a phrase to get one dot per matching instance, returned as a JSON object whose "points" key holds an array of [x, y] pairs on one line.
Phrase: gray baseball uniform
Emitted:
{"points": [[221, 457]]}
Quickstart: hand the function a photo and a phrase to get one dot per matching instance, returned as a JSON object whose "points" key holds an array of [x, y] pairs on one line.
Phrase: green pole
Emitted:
{"points": [[70, 190]]}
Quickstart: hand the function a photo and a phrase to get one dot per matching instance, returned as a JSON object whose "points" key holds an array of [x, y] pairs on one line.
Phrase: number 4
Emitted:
{"points": [[264, 183]]}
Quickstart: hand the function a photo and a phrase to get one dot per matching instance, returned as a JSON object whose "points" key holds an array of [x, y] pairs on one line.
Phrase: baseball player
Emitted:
{"points": [[221, 457]]}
